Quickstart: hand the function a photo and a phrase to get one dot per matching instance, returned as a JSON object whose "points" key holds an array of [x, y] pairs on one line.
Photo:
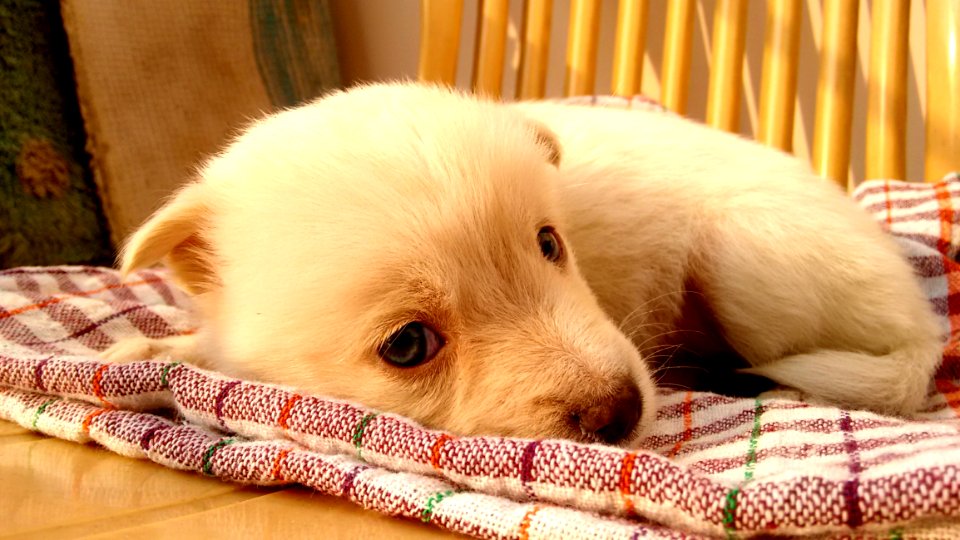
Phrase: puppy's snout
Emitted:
{"points": [[614, 418]]}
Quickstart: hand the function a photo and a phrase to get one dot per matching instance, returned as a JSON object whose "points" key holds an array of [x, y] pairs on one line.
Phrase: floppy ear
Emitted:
{"points": [[174, 235], [548, 140]]}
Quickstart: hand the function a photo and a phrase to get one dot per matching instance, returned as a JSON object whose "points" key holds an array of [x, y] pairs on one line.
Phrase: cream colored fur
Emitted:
{"points": [[323, 229]]}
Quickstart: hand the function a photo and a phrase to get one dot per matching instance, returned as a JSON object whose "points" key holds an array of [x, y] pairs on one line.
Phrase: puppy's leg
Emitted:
{"points": [[183, 348], [893, 383], [825, 304]]}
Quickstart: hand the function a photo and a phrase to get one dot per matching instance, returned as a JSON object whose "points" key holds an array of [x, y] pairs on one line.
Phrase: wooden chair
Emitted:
{"points": [[886, 81]]}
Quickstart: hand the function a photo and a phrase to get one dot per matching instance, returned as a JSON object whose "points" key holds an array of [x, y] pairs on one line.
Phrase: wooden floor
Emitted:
{"points": [[51, 488]]}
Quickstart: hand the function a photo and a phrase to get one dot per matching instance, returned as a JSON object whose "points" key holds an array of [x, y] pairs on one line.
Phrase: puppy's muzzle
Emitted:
{"points": [[611, 419]]}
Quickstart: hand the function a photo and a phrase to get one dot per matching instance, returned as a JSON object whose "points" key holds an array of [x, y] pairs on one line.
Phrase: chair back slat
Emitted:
{"points": [[778, 83], [887, 87], [726, 69], [490, 45], [677, 40], [534, 49], [582, 47], [834, 112], [628, 47], [439, 40], [943, 88], [887, 90]]}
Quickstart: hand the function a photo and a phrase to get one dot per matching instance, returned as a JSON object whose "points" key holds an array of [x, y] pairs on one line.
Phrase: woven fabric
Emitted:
{"points": [[712, 466]]}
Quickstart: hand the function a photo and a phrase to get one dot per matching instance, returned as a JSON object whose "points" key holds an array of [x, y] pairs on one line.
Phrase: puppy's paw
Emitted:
{"points": [[179, 348]]}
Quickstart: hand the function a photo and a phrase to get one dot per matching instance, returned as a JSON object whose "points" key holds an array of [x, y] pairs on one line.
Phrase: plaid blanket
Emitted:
{"points": [[712, 466]]}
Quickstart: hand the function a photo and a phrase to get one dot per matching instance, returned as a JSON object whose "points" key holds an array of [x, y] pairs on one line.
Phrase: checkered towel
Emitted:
{"points": [[712, 467]]}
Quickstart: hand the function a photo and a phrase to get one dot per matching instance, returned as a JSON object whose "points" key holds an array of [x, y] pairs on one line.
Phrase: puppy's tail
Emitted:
{"points": [[895, 383]]}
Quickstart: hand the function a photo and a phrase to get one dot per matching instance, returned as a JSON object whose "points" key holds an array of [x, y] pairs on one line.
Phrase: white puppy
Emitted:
{"points": [[483, 267]]}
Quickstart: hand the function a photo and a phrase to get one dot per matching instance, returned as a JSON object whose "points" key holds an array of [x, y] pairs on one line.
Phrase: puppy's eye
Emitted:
{"points": [[550, 244], [412, 345]]}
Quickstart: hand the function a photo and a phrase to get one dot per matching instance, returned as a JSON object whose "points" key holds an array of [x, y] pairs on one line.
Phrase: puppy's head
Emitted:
{"points": [[401, 246]]}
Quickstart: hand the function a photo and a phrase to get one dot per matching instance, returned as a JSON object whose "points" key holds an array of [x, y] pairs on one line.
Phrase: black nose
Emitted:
{"points": [[613, 418]]}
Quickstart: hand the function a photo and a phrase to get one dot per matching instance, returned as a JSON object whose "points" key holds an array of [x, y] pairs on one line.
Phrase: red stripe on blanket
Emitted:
{"points": [[687, 425], [953, 297], [626, 471], [946, 217], [95, 385], [149, 434], [877, 446], [218, 402], [898, 188], [85, 425], [851, 488], [57, 299], [275, 470], [285, 412], [525, 523], [350, 479], [888, 203], [437, 448], [951, 394], [38, 374], [526, 467], [86, 270]]}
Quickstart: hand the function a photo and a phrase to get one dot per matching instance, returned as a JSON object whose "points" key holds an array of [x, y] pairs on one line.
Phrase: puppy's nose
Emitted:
{"points": [[614, 418]]}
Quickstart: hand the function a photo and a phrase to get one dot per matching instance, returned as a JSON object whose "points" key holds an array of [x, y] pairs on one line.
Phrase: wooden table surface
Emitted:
{"points": [[51, 488]]}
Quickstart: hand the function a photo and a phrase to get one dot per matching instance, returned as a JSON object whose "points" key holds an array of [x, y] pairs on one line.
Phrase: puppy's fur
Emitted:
{"points": [[322, 230]]}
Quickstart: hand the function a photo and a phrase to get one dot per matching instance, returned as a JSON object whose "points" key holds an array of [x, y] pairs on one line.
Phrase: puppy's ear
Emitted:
{"points": [[548, 140], [174, 235]]}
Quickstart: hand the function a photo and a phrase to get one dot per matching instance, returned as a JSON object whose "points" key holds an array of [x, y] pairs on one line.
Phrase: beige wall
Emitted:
{"points": [[379, 41]]}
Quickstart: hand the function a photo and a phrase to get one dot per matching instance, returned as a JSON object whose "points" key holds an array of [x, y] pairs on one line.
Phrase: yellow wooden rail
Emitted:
{"points": [[838, 62], [778, 84], [491, 42], [582, 47], [628, 47], [726, 69], [886, 138], [676, 55], [887, 90], [943, 88], [534, 49], [439, 40]]}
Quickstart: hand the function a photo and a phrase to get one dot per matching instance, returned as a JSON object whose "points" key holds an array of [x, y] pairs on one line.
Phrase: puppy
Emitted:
{"points": [[510, 269]]}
